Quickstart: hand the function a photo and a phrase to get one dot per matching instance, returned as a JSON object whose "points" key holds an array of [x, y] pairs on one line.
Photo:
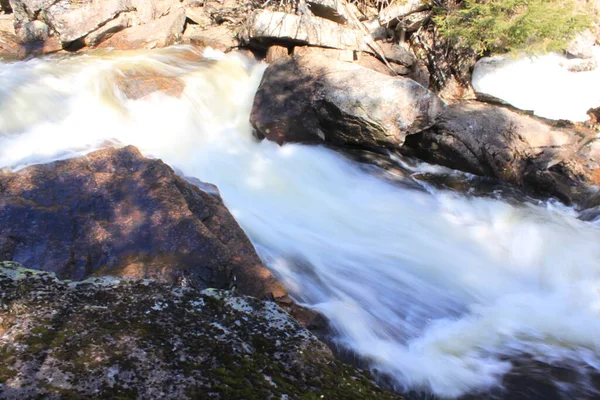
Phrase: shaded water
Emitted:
{"points": [[435, 290]]}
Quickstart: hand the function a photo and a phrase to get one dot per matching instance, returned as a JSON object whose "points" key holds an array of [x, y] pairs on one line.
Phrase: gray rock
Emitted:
{"points": [[519, 149], [317, 99], [265, 25], [582, 45], [118, 338], [71, 20]]}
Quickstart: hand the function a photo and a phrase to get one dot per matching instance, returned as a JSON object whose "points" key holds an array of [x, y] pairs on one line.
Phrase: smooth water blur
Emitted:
{"points": [[437, 290]]}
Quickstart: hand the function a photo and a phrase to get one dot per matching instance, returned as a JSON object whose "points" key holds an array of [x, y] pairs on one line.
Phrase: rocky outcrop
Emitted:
{"points": [[117, 213], [528, 152], [316, 99], [44, 26], [117, 338], [266, 26]]}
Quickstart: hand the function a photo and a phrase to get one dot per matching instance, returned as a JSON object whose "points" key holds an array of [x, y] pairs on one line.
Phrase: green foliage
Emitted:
{"points": [[499, 26]]}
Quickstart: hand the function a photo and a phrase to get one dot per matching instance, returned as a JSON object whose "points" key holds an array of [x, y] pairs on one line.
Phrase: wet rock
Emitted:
{"points": [[118, 338], [138, 87], [317, 99], [117, 213], [519, 149]]}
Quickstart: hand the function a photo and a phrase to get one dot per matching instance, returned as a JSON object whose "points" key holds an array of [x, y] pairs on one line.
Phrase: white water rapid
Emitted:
{"points": [[436, 290]]}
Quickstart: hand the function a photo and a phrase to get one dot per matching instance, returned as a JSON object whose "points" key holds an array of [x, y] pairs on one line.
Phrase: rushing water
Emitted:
{"points": [[436, 290]]}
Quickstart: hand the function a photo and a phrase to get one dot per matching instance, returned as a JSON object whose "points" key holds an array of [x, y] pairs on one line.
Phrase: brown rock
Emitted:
{"points": [[156, 34], [106, 31], [219, 37], [316, 99], [117, 213], [198, 15], [336, 54], [138, 87], [275, 53]]}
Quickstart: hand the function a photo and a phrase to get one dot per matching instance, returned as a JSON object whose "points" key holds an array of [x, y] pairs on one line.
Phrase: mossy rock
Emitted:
{"points": [[140, 339]]}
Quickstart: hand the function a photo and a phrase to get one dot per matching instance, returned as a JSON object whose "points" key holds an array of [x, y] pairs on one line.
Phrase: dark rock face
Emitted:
{"points": [[316, 99], [522, 150], [117, 213], [116, 338]]}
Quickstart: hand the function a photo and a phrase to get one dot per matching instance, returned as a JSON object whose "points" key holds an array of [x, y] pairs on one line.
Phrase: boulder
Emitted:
{"points": [[106, 31], [156, 34], [317, 99], [219, 37], [519, 149], [117, 213], [108, 338], [269, 26], [397, 54], [135, 86], [198, 16], [71, 21]]}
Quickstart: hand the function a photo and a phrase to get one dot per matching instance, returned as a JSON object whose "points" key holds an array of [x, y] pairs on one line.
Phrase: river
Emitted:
{"points": [[434, 290]]}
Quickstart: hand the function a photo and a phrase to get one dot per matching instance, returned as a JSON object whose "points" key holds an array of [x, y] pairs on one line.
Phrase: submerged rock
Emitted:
{"points": [[525, 151], [317, 99], [140, 339], [115, 212]]}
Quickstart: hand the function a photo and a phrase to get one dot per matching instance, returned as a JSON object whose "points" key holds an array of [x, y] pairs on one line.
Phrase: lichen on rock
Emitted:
{"points": [[142, 339]]}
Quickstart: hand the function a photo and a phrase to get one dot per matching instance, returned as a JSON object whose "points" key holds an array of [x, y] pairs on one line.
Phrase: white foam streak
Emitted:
{"points": [[433, 289]]}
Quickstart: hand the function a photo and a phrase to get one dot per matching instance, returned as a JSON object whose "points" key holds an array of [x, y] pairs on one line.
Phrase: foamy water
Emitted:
{"points": [[542, 84], [435, 289]]}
